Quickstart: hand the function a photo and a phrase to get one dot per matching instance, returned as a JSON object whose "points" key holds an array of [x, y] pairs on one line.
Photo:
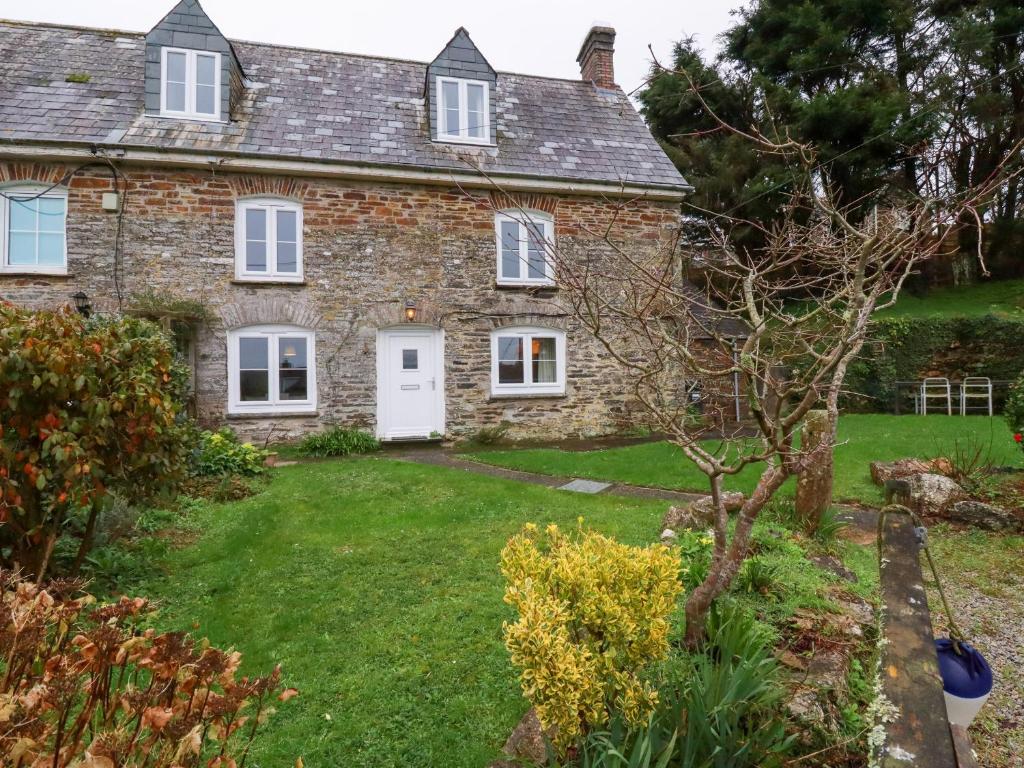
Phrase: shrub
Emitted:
{"points": [[593, 616], [492, 435], [1014, 410], [720, 708], [86, 409], [87, 686], [221, 453], [695, 551], [726, 703], [908, 348], [339, 441], [620, 747], [829, 527], [757, 577]]}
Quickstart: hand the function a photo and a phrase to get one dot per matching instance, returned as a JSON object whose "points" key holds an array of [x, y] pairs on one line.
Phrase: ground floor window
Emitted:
{"points": [[271, 369], [527, 361]]}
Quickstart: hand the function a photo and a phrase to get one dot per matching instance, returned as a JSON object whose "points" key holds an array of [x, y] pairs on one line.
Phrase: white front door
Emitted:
{"points": [[410, 383]]}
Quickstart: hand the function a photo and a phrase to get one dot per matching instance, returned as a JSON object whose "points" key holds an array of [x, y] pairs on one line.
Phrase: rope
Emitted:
{"points": [[955, 633]]}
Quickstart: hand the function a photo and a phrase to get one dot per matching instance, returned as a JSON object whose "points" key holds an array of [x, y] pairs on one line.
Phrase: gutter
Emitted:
{"points": [[240, 163]]}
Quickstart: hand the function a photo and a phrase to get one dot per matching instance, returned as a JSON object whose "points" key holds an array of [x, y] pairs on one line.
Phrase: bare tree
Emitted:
{"points": [[784, 322]]}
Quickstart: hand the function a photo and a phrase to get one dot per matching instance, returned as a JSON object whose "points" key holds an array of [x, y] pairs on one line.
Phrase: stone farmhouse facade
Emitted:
{"points": [[337, 238]]}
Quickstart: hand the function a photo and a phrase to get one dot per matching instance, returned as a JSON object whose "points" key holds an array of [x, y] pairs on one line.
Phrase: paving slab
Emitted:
{"points": [[585, 486]]}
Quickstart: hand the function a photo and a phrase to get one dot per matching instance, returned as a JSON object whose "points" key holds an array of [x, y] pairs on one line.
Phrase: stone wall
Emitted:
{"points": [[368, 248]]}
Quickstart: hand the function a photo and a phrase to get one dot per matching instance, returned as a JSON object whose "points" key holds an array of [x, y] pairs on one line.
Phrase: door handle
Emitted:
{"points": [[433, 383]]}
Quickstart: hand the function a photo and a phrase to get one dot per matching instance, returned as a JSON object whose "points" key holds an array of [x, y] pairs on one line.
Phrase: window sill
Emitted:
{"points": [[504, 286], [31, 273], [464, 142], [266, 281], [271, 415], [187, 117], [526, 396]]}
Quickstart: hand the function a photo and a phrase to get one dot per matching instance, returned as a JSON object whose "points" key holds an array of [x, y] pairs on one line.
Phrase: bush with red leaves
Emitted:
{"points": [[84, 685]]}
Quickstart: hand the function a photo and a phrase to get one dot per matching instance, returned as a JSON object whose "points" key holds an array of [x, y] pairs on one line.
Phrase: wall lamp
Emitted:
{"points": [[410, 311], [82, 305]]}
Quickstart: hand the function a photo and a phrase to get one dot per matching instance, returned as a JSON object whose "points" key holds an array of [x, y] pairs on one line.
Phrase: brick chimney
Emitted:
{"points": [[596, 56]]}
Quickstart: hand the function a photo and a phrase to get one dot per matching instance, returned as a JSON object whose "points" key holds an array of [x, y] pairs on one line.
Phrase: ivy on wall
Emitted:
{"points": [[909, 349]]}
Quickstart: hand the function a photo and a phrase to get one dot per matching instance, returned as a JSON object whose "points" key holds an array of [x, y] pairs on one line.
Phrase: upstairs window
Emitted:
{"points": [[527, 361], [33, 224], [268, 240], [524, 248], [190, 84], [463, 111]]}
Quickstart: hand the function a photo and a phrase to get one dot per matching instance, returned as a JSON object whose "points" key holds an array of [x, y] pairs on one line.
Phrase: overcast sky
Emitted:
{"points": [[540, 37]]}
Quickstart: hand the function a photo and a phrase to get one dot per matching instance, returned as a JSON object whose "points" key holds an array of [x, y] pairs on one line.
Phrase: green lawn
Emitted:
{"points": [[1002, 297], [864, 438], [375, 584]]}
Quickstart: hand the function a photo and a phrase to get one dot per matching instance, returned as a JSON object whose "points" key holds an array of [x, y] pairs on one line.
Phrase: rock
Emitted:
{"points": [[830, 564], [805, 706], [899, 469], [791, 660], [934, 494], [858, 609], [526, 744], [699, 514], [668, 536], [827, 669], [814, 484], [987, 516]]}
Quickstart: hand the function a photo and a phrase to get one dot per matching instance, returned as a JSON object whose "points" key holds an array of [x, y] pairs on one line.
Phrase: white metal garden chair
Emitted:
{"points": [[936, 388], [978, 388]]}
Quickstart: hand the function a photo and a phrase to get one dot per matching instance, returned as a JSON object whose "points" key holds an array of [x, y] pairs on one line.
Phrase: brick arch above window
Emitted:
{"points": [[557, 322], [276, 310], [284, 187], [512, 201], [31, 173], [393, 313]]}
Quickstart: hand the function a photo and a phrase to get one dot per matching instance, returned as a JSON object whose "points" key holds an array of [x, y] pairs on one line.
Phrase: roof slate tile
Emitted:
{"points": [[372, 108]]}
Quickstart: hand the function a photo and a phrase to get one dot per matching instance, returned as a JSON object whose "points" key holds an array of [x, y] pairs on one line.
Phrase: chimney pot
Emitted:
{"points": [[596, 56]]}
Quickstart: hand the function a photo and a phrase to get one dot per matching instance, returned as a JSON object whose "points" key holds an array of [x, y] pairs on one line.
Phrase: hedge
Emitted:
{"points": [[902, 349]]}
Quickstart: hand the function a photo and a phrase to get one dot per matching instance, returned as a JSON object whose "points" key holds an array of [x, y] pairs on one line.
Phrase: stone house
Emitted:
{"points": [[337, 238]]}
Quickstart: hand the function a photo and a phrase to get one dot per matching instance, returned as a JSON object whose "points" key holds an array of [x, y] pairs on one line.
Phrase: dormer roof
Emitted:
{"points": [[186, 26]]}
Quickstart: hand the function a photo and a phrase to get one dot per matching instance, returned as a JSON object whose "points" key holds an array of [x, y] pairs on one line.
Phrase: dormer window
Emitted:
{"points": [[463, 111], [190, 84]]}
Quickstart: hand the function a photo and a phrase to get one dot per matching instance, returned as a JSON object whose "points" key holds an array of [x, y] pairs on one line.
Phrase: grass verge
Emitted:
{"points": [[863, 438]]}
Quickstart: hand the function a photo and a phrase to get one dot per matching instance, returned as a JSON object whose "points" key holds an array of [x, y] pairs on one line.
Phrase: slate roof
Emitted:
{"points": [[319, 105]]}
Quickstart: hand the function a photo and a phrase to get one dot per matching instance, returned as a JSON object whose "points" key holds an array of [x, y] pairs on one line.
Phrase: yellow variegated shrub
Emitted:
{"points": [[593, 615]]}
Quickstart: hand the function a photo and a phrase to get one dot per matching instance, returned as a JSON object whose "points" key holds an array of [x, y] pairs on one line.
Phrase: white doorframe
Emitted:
{"points": [[436, 336]]}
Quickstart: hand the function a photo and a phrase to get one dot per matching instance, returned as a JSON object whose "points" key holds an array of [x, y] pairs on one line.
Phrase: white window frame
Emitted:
{"points": [[30, 190], [273, 405], [458, 138], [546, 224], [190, 113], [271, 205], [529, 387]]}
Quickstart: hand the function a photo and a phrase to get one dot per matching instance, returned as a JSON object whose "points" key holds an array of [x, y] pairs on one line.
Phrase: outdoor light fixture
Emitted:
{"points": [[82, 305], [410, 311]]}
